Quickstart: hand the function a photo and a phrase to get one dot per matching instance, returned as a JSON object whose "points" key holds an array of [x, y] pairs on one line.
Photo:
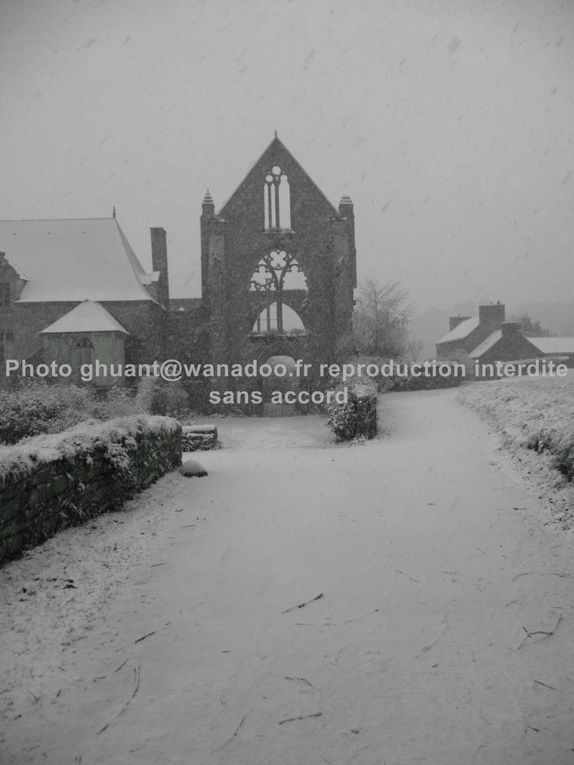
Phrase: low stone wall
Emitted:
{"points": [[50, 482], [201, 438]]}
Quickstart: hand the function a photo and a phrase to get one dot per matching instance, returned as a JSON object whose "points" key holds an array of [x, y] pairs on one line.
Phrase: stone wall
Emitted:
{"points": [[60, 480]]}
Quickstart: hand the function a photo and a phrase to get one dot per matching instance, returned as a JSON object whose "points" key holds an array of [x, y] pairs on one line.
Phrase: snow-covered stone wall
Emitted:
{"points": [[50, 482]]}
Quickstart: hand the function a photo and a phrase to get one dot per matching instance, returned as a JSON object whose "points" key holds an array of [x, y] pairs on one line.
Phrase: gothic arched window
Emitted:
{"points": [[276, 273], [277, 200]]}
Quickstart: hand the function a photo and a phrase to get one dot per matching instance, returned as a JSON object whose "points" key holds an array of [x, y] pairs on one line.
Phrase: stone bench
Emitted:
{"points": [[199, 438]]}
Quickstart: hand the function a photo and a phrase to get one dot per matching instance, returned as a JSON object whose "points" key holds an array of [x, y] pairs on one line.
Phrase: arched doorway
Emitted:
{"points": [[278, 384]]}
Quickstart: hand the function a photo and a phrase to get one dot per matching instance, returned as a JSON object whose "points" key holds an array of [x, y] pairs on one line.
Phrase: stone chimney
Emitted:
{"points": [[206, 222], [454, 321], [159, 263], [511, 327], [491, 315], [346, 210]]}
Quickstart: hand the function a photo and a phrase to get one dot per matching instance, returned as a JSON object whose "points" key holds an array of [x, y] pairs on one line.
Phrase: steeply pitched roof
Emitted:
{"points": [[486, 344], [554, 345], [461, 331], [73, 260], [86, 317], [273, 153]]}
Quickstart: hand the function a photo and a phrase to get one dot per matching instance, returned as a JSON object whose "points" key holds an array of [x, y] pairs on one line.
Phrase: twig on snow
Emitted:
{"points": [[301, 680], [434, 642], [545, 634], [301, 717], [123, 664], [539, 682], [234, 734], [123, 709], [306, 603], [143, 637]]}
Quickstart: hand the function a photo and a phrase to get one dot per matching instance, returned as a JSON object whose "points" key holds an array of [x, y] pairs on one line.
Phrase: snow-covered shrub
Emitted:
{"points": [[36, 407], [156, 396], [415, 382], [357, 416]]}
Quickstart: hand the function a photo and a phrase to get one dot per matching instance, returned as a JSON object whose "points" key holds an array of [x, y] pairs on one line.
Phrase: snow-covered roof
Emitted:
{"points": [[460, 331], [554, 345], [73, 260], [86, 317], [486, 344]]}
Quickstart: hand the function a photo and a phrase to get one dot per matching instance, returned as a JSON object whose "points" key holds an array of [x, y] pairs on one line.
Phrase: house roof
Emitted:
{"points": [[461, 331], [85, 317], [554, 345], [73, 260], [486, 344]]}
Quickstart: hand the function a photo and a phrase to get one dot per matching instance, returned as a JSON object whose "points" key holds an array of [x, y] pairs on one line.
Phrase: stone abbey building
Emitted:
{"points": [[278, 269]]}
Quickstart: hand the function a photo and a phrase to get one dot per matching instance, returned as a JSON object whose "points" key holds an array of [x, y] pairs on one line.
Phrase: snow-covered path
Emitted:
{"points": [[444, 634]]}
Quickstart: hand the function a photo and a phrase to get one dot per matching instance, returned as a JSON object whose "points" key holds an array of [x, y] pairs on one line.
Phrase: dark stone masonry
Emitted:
{"points": [[63, 480]]}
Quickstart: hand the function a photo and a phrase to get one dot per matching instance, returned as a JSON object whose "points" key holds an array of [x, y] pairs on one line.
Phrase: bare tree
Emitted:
{"points": [[531, 327], [381, 320]]}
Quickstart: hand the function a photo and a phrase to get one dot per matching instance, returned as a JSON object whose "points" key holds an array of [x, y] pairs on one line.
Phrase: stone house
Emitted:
{"points": [[487, 338], [74, 290]]}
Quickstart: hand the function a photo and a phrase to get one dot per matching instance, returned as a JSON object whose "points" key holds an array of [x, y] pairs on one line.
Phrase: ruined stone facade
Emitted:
{"points": [[276, 226]]}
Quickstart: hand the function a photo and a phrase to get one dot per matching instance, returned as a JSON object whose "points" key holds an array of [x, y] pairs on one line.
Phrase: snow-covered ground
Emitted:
{"points": [[442, 636], [523, 411]]}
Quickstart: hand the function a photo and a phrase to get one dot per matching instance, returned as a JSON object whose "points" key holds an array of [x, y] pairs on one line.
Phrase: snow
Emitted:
{"points": [[31, 452], [443, 634], [486, 344], [460, 331], [73, 260], [523, 410], [554, 345], [86, 317]]}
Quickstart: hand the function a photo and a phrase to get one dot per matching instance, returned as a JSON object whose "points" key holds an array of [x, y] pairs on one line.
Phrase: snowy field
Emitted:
{"points": [[532, 412], [399, 602]]}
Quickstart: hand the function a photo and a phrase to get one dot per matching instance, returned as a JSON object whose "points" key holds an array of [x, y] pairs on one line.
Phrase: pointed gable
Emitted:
{"points": [[276, 154], [85, 318]]}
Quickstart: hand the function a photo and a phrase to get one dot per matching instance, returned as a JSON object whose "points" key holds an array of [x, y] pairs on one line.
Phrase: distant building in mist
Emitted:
{"points": [[486, 338]]}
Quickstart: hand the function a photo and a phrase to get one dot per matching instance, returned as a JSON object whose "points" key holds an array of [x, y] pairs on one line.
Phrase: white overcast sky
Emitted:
{"points": [[449, 122]]}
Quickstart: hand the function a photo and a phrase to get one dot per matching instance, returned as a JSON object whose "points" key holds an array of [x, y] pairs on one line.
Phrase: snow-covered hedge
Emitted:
{"points": [[36, 407], [410, 382], [52, 481], [536, 414], [358, 416]]}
